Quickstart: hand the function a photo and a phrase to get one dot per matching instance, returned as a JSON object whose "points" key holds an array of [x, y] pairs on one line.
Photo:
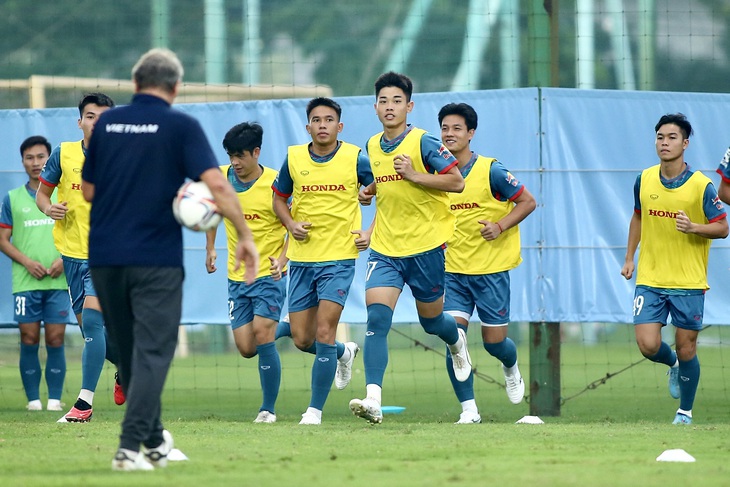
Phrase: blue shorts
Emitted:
{"points": [[265, 298], [52, 307], [308, 285], [489, 293], [79, 281], [424, 273], [653, 307]]}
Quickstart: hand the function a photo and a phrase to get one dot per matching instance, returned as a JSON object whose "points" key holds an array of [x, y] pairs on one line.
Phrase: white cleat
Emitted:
{"points": [[343, 375], [514, 385], [54, 405], [265, 417], [469, 417], [310, 418], [127, 461], [157, 456], [368, 409], [461, 359], [34, 405]]}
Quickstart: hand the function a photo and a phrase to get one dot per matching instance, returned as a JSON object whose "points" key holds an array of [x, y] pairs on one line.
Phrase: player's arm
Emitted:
{"points": [[57, 211], [210, 253], [36, 269], [450, 180], [633, 243], [279, 263], [283, 187], [230, 207], [717, 226]]}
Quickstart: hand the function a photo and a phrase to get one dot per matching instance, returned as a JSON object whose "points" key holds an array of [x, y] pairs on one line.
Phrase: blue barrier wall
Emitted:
{"points": [[577, 151]]}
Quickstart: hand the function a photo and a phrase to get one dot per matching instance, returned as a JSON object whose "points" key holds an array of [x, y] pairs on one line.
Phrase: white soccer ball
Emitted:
{"points": [[195, 208]]}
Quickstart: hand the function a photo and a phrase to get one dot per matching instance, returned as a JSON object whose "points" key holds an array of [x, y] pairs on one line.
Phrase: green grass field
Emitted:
{"points": [[607, 436]]}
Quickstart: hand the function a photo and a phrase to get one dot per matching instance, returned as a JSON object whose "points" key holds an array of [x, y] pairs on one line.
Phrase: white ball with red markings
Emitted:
{"points": [[195, 208]]}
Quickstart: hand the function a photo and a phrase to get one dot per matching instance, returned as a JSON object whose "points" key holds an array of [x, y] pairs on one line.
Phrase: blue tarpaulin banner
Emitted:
{"points": [[577, 151]]}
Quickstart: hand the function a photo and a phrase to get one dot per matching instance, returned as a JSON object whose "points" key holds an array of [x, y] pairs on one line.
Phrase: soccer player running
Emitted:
{"points": [[724, 171], [39, 284], [483, 249], [676, 215], [62, 171], [325, 236], [413, 173], [135, 165], [254, 310]]}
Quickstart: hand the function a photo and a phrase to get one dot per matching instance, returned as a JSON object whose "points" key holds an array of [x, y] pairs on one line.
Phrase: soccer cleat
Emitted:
{"points": [[76, 416], [119, 396], [34, 405], [265, 417], [673, 374], [54, 405], [368, 409], [157, 456], [469, 417], [127, 461], [344, 369], [461, 360], [682, 419], [310, 418], [514, 385]]}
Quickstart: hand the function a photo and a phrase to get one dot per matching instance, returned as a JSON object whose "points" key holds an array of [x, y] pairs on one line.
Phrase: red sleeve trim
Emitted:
{"points": [[2, 225], [46, 183], [722, 176], [448, 168], [517, 195], [718, 218], [283, 195]]}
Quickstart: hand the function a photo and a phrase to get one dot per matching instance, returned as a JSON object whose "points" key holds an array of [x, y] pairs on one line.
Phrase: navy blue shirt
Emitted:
{"points": [[137, 158]]}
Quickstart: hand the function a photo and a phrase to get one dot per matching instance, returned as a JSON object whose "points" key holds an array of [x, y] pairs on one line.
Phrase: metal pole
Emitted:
{"points": [[215, 41], [509, 44], [404, 45], [544, 369], [646, 41], [252, 42], [160, 23], [585, 55]]}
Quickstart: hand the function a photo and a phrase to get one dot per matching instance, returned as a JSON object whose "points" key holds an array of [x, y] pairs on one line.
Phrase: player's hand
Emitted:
{"points": [[404, 166], [36, 269], [684, 224], [56, 268], [300, 230], [57, 211], [628, 270], [247, 253], [362, 240], [210, 258], [276, 268], [489, 230], [366, 194]]}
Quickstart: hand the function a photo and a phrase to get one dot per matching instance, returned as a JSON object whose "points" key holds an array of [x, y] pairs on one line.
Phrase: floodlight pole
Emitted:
{"points": [[544, 369]]}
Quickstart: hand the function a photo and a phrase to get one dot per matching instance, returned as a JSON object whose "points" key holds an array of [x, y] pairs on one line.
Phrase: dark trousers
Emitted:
{"points": [[142, 309]]}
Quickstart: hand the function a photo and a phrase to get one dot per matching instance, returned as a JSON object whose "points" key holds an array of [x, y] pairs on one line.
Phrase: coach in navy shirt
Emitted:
{"points": [[137, 158]]}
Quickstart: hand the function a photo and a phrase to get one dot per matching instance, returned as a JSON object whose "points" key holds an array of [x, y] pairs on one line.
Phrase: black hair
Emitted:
{"points": [[678, 119], [244, 137], [35, 140], [396, 80], [324, 102], [461, 109], [96, 98]]}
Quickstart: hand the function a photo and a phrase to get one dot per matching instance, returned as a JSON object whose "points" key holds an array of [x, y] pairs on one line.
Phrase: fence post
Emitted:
{"points": [[544, 369]]}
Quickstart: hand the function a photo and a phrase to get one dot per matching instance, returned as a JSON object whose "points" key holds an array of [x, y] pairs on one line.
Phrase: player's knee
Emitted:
{"points": [[648, 348], [30, 338], [432, 326], [380, 318]]}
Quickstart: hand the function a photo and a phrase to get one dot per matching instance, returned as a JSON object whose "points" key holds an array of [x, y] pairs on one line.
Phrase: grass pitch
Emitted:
{"points": [[607, 436]]}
